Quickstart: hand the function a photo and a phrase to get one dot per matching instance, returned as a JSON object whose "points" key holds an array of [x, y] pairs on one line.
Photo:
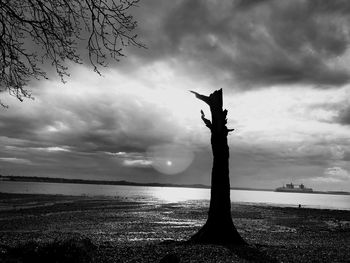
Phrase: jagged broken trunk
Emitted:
{"points": [[219, 228]]}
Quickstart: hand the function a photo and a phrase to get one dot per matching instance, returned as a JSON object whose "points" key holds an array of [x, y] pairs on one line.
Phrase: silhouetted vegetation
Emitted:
{"points": [[34, 32]]}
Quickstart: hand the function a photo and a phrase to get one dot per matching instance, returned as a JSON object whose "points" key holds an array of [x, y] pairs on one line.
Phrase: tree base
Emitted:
{"points": [[218, 232]]}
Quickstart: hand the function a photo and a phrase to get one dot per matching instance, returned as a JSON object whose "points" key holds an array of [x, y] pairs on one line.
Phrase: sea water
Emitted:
{"points": [[177, 194]]}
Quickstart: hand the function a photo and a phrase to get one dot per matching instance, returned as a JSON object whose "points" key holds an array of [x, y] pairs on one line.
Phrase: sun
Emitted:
{"points": [[170, 158]]}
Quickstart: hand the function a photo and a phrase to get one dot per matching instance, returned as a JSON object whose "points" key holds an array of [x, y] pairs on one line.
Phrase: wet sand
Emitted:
{"points": [[125, 230]]}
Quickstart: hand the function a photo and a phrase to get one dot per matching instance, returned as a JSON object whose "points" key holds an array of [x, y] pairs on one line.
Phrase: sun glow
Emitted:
{"points": [[170, 158]]}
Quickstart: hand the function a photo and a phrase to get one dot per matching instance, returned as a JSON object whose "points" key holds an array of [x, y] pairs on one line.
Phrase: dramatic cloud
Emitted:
{"points": [[87, 122], [254, 43], [137, 163], [283, 66], [344, 116], [334, 175], [15, 160]]}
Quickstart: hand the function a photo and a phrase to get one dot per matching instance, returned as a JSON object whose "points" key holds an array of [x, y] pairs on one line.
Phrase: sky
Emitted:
{"points": [[284, 70]]}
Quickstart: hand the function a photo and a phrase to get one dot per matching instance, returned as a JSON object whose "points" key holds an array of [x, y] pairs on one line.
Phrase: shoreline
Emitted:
{"points": [[149, 184], [142, 200]]}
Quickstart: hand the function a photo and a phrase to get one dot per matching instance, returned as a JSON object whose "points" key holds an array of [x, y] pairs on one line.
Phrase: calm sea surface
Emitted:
{"points": [[175, 194]]}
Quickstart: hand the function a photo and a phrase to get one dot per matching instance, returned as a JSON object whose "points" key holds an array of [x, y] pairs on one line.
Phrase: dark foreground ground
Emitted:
{"points": [[37, 227]]}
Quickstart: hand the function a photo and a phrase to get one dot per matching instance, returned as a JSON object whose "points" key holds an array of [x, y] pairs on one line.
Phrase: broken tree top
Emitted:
{"points": [[219, 116]]}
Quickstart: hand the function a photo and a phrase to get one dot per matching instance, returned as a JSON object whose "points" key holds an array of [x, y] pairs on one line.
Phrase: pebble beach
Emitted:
{"points": [[122, 230]]}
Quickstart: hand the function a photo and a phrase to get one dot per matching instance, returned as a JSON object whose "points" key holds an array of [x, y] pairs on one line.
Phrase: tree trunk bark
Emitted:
{"points": [[219, 228]]}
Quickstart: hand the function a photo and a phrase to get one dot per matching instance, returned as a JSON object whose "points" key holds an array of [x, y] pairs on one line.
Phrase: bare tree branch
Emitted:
{"points": [[55, 28]]}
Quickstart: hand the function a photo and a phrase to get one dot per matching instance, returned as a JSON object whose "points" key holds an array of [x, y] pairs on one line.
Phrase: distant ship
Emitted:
{"points": [[294, 188]]}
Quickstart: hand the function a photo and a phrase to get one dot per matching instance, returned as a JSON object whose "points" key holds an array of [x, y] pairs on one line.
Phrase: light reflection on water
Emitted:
{"points": [[176, 194]]}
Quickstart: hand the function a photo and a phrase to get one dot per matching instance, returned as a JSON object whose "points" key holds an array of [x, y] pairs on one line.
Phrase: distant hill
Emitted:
{"points": [[83, 181], [123, 182]]}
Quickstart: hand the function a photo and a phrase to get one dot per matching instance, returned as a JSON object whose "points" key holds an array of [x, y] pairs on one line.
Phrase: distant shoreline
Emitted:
{"points": [[123, 182]]}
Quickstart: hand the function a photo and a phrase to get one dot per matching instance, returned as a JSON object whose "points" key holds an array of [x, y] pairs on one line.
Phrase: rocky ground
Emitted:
{"points": [[101, 229]]}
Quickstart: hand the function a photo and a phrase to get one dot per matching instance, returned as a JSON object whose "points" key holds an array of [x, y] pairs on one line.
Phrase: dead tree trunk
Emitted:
{"points": [[219, 228]]}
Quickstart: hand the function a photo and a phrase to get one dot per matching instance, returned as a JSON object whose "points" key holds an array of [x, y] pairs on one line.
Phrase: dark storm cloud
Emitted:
{"points": [[282, 154], [85, 124], [344, 116], [252, 43], [340, 111], [79, 134], [255, 42]]}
